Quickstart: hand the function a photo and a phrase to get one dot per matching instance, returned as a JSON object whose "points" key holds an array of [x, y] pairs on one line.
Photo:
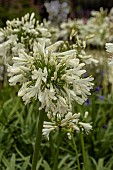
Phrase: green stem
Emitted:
{"points": [[5, 76], [76, 151], [51, 142], [83, 152], [55, 167], [38, 138]]}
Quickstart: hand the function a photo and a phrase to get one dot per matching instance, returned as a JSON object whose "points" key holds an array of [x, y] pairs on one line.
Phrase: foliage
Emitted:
{"points": [[18, 125], [18, 121], [23, 7]]}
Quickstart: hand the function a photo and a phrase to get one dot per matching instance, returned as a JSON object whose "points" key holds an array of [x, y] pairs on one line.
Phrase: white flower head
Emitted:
{"points": [[109, 47], [2, 37], [86, 126], [47, 128], [22, 34], [54, 84], [69, 123]]}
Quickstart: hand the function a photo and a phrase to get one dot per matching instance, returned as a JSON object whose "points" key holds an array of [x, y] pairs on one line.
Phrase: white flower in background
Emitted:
{"points": [[66, 28], [53, 29], [22, 34], [1, 37], [97, 26], [88, 59], [111, 15], [54, 78], [4, 49], [79, 46], [110, 75], [86, 126], [69, 123], [48, 127], [97, 30], [109, 48]]}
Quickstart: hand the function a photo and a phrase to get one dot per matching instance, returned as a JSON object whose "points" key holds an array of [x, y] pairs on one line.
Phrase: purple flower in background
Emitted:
{"points": [[104, 126], [87, 102], [101, 74], [97, 89], [101, 98]]}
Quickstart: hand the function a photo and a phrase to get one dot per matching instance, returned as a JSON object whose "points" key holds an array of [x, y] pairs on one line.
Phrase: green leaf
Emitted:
{"points": [[46, 165], [5, 162], [39, 164], [12, 162], [1, 154], [62, 162], [26, 163], [100, 165]]}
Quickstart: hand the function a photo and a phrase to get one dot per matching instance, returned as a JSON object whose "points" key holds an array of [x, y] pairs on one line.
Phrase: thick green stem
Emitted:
{"points": [[5, 76], [55, 167], [83, 152], [76, 151], [38, 139], [51, 141]]}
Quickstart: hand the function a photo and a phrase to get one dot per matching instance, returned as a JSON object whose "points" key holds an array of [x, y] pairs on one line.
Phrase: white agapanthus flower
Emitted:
{"points": [[1, 37], [86, 126], [96, 26], [97, 30], [54, 78], [69, 123], [48, 127], [66, 28], [109, 49], [53, 29], [22, 34]]}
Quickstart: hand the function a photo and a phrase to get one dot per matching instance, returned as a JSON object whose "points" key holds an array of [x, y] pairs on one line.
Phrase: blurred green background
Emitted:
{"points": [[10, 9]]}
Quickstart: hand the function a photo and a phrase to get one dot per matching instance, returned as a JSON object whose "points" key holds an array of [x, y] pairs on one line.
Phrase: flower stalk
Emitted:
{"points": [[52, 148], [55, 167], [76, 151], [38, 139], [83, 152]]}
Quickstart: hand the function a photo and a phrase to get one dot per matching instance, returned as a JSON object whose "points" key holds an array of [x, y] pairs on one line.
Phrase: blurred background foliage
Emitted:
{"points": [[18, 122], [10, 9]]}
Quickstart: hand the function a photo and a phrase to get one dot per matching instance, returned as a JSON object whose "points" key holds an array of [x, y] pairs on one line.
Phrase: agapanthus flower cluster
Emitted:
{"points": [[53, 29], [47, 73], [21, 34], [79, 46], [109, 49], [97, 30], [70, 123], [54, 78], [98, 27], [67, 27]]}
